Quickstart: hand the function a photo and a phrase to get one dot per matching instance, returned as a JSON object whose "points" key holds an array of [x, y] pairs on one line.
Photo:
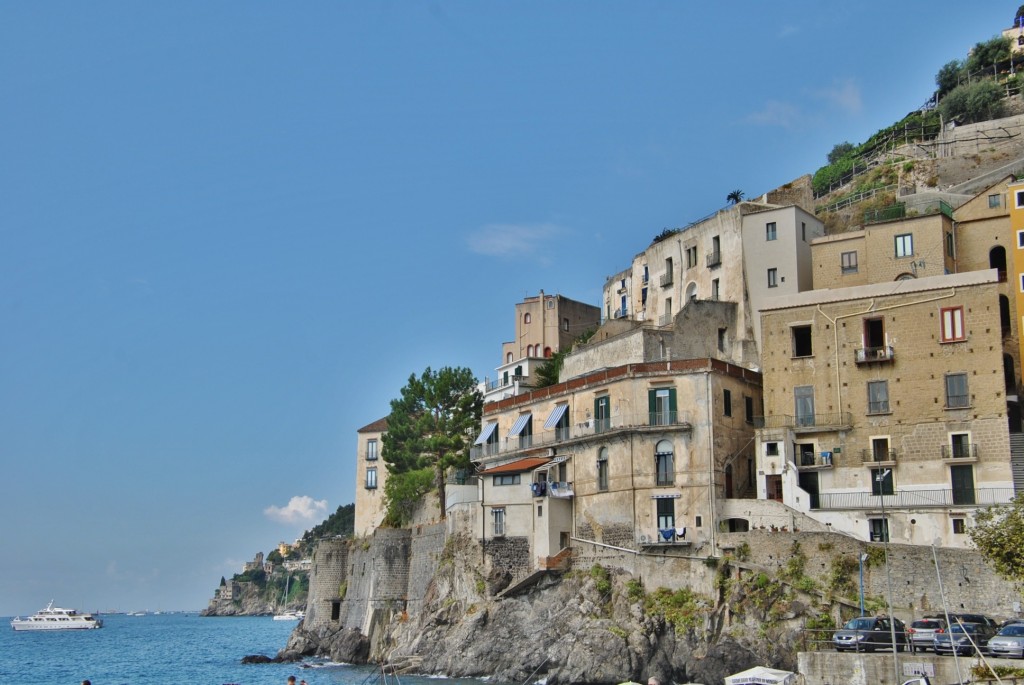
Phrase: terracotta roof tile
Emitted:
{"points": [[518, 466]]}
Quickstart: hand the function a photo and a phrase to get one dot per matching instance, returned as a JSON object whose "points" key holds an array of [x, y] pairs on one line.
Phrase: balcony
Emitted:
{"points": [[814, 461], [666, 280], [967, 452], [871, 355], [916, 499], [875, 457], [714, 259], [806, 422], [665, 320], [620, 313]]}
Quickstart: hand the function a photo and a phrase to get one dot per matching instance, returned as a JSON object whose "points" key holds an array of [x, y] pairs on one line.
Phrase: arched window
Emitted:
{"points": [[691, 292], [527, 318], [529, 350], [602, 469], [547, 352], [508, 358], [997, 261], [664, 463]]}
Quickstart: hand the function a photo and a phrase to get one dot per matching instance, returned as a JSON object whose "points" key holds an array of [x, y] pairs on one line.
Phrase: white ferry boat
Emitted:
{"points": [[290, 615], [55, 618]]}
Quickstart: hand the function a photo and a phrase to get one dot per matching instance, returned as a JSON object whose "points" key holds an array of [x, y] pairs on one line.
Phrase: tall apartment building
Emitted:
{"points": [[545, 325], [371, 475], [739, 257]]}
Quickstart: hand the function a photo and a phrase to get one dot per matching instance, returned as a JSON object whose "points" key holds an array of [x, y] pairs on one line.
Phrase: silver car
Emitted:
{"points": [[922, 633], [1008, 642]]}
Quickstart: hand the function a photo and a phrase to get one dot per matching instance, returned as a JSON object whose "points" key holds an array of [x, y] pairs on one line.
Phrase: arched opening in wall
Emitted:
{"points": [[905, 277], [529, 350], [997, 261], [527, 318], [691, 292], [508, 358], [547, 352], [664, 463], [1004, 314], [734, 526]]}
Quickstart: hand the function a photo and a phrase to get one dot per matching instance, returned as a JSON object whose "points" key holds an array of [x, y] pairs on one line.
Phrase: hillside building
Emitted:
{"points": [[371, 475]]}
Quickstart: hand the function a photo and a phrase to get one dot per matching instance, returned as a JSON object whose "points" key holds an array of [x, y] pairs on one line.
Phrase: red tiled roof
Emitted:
{"points": [[518, 466], [378, 426]]}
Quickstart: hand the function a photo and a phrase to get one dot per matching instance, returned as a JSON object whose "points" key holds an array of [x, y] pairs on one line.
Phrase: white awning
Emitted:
{"points": [[486, 434], [556, 415], [555, 461], [519, 425], [759, 675]]}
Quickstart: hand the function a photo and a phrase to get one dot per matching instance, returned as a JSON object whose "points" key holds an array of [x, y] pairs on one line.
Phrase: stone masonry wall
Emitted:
{"points": [[511, 554], [329, 571], [426, 548]]}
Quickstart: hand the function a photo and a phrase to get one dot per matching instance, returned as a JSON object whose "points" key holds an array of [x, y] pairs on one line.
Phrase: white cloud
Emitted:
{"points": [[300, 509], [776, 113], [512, 240], [844, 95]]}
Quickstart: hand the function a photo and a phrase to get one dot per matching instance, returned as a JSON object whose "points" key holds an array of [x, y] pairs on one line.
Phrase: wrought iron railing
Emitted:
{"points": [[865, 355], [914, 499], [804, 421], [873, 455], [714, 258], [969, 451]]}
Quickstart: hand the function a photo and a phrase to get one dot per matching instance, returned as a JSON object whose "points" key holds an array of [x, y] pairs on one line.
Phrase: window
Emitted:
{"points": [[664, 463], [602, 414], [666, 279], [748, 405], [1019, 195], [666, 511], [540, 511], [880, 449], [958, 524], [802, 345], [661, 403], [1020, 238], [905, 245], [498, 522], [995, 201], [527, 318], [643, 302], [691, 257], [508, 479], [769, 231], [879, 529], [803, 231], [602, 469], [881, 482], [771, 449], [848, 261], [371, 479], [952, 324], [949, 245], [956, 391], [371, 450], [773, 278], [878, 397], [721, 339], [565, 322], [960, 445], [727, 402]]}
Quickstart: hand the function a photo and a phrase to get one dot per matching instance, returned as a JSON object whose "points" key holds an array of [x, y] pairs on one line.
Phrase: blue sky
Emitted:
{"points": [[229, 231]]}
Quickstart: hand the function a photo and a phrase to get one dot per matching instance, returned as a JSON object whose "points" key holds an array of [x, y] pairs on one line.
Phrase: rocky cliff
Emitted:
{"points": [[593, 625]]}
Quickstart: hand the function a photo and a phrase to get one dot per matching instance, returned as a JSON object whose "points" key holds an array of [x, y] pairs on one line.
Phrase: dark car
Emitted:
{"points": [[868, 633], [974, 618], [964, 638]]}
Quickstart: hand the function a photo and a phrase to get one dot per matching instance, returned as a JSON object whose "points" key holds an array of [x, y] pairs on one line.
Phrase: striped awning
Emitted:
{"points": [[485, 435], [556, 415], [557, 460], [519, 425]]}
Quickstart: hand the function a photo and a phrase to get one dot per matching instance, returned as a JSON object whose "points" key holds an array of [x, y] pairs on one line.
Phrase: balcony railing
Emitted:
{"points": [[714, 258], [867, 355], [960, 451], [665, 320], [872, 455], [501, 382], [815, 460], [914, 499], [678, 420], [666, 280], [805, 421], [620, 313]]}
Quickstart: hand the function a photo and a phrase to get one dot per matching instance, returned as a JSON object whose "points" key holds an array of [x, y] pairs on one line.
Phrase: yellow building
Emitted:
{"points": [[371, 474]]}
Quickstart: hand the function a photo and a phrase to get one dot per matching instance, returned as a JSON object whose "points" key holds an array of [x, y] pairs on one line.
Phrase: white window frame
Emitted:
{"points": [[901, 242], [771, 231], [371, 479], [773, 278]]}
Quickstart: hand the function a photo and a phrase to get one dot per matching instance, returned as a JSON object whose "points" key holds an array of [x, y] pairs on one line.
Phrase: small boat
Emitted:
{"points": [[290, 615], [55, 618]]}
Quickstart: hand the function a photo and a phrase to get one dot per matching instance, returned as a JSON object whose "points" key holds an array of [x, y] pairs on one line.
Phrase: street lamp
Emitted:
{"points": [[880, 478], [863, 558]]}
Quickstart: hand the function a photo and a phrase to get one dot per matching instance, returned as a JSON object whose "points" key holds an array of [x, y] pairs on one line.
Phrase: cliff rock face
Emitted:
{"points": [[595, 626], [250, 601]]}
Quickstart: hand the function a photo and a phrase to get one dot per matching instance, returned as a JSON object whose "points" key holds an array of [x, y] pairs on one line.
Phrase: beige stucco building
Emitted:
{"points": [[371, 475]]}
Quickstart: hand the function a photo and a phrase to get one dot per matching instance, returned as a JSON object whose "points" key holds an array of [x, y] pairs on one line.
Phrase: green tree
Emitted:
{"points": [[341, 522], [973, 102], [735, 197], [984, 55], [839, 151], [948, 77], [998, 533], [430, 426], [550, 371], [402, 492]]}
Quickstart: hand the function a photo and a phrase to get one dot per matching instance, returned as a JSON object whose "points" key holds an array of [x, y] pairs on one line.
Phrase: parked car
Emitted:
{"points": [[962, 638], [1009, 641], [868, 633], [922, 633], [974, 618]]}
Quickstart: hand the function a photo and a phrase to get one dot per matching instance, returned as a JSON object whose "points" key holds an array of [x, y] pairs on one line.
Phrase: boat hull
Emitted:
{"points": [[56, 625]]}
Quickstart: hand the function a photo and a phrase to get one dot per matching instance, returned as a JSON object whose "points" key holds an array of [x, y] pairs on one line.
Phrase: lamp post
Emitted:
{"points": [[880, 478], [863, 558]]}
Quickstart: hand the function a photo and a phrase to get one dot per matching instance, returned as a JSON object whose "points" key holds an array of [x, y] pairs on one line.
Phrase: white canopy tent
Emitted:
{"points": [[759, 675]]}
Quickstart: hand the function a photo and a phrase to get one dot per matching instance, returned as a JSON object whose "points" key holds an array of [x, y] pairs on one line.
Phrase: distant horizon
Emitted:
{"points": [[233, 231]]}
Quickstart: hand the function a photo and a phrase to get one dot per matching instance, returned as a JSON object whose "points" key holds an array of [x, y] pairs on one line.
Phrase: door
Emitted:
{"points": [[773, 487], [804, 399], [809, 483], [874, 334], [962, 479], [602, 414]]}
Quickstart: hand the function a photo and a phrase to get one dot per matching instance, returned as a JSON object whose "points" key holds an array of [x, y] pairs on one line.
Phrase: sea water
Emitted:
{"points": [[165, 649]]}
